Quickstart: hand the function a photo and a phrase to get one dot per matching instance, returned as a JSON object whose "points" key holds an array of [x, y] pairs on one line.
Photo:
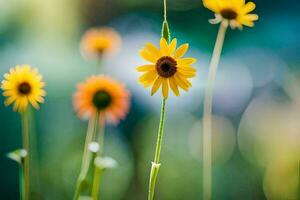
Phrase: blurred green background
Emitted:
{"points": [[256, 133]]}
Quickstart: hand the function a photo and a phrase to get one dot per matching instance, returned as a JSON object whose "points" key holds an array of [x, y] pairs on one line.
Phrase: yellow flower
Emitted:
{"points": [[234, 12], [104, 95], [167, 67], [23, 86], [97, 42]]}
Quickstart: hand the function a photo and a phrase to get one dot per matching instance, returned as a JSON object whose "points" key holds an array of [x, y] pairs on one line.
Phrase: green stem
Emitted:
{"points": [[299, 179], [155, 165], [96, 183], [207, 118], [98, 65], [22, 183], [98, 172], [87, 156], [25, 167]]}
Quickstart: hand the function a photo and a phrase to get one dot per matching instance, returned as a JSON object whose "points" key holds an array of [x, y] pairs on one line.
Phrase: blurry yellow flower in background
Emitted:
{"points": [[167, 68], [104, 95], [97, 42], [236, 12], [23, 86]]}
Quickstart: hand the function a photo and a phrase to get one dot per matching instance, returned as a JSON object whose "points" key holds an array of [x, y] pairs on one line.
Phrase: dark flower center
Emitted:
{"points": [[166, 66], [24, 88], [102, 100], [229, 14], [100, 50]]}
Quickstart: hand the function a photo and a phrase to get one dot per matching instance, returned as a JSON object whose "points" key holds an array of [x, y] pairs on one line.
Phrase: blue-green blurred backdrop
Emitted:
{"points": [[256, 133]]}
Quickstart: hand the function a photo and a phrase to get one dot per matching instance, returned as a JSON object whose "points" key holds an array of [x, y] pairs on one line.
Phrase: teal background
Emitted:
{"points": [[256, 133]]}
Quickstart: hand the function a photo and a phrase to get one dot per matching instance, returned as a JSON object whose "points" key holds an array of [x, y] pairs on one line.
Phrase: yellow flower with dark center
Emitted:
{"points": [[23, 86], [104, 95], [167, 68], [97, 42], [235, 12]]}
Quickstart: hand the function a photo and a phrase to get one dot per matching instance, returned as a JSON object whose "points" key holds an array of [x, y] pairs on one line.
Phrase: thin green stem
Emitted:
{"points": [[165, 10], [98, 172], [25, 135], [207, 118], [155, 165], [98, 65], [299, 179], [160, 131], [87, 157], [22, 183], [96, 183]]}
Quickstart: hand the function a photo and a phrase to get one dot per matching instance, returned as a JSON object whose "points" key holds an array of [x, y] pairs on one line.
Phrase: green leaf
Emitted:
{"points": [[166, 31], [17, 155]]}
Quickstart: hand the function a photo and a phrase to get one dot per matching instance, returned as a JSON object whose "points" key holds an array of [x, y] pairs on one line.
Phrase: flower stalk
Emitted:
{"points": [[207, 116], [87, 155], [155, 164], [25, 162], [98, 171]]}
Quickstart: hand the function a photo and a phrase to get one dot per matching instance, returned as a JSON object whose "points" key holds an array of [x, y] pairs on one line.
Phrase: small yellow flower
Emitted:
{"points": [[234, 12], [23, 86], [97, 42], [167, 67]]}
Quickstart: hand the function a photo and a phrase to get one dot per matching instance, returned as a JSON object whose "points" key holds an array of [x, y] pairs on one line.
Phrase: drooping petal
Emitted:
{"points": [[181, 83], [148, 76], [165, 88], [173, 86], [156, 85]]}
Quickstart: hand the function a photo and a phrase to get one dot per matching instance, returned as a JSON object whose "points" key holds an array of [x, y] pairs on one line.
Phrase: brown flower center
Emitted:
{"points": [[24, 88], [102, 99], [166, 66], [229, 14]]}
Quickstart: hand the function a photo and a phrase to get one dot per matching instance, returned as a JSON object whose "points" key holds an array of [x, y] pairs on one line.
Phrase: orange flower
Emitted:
{"points": [[104, 95], [97, 42]]}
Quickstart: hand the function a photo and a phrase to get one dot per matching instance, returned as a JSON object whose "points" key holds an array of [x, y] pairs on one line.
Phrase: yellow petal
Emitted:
{"points": [[164, 47], [172, 46], [9, 101], [153, 50], [34, 103], [173, 86], [251, 17], [186, 61], [184, 79], [249, 7], [187, 68], [144, 68], [186, 74], [247, 23], [180, 83], [181, 51], [148, 76], [213, 5], [156, 85], [147, 56], [165, 88]]}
